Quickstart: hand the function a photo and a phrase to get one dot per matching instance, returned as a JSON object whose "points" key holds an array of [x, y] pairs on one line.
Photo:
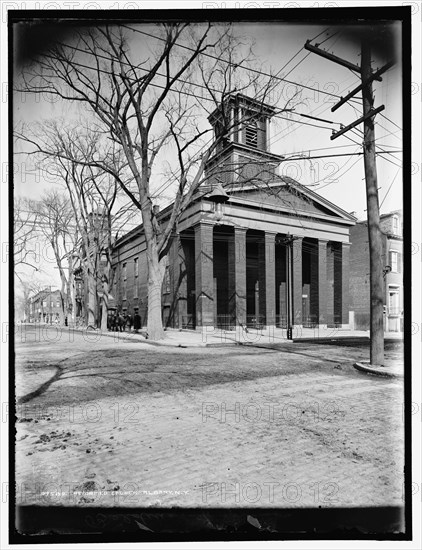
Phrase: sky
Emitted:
{"points": [[279, 48]]}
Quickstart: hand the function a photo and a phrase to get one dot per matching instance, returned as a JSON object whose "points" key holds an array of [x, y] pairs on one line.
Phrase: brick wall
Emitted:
{"points": [[359, 272], [359, 275]]}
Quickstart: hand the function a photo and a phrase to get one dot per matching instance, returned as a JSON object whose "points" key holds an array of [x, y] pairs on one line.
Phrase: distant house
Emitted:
{"points": [[45, 306], [392, 253], [274, 253]]}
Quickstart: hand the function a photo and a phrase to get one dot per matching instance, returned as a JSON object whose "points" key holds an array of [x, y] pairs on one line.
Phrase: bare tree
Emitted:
{"points": [[25, 232], [86, 221], [29, 287], [56, 224], [139, 99]]}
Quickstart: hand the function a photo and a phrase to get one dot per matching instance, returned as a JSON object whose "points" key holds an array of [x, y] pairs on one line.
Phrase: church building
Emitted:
{"points": [[253, 248]]}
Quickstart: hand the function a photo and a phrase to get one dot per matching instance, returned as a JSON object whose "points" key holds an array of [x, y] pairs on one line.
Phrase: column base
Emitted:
{"points": [[205, 328]]}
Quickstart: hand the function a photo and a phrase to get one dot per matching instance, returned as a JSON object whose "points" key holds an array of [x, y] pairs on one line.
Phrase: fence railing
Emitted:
{"points": [[334, 321], [226, 322], [255, 321], [281, 321], [188, 322], [310, 321]]}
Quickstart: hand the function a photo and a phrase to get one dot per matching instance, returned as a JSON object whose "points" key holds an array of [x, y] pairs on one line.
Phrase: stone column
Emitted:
{"points": [[338, 283], [330, 284], [297, 280], [322, 283], [260, 313], [181, 286], [345, 300], [237, 275], [270, 306], [204, 275]]}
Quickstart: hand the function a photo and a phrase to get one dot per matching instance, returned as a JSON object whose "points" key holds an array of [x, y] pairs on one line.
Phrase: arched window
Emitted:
{"points": [[396, 229]]}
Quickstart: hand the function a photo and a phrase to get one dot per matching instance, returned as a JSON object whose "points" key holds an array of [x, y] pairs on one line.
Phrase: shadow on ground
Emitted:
{"points": [[112, 373]]}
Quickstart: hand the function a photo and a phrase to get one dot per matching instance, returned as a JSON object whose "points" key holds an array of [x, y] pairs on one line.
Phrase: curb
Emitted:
{"points": [[375, 370], [125, 337]]}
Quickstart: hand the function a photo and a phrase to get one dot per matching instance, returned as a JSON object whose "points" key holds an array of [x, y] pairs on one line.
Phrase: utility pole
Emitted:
{"points": [[374, 231], [372, 202]]}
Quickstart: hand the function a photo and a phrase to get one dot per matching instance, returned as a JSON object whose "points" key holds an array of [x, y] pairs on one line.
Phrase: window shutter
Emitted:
{"points": [[399, 262]]}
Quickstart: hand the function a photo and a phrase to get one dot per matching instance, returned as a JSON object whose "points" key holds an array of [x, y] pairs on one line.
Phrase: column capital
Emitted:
{"points": [[346, 244], [323, 241], [202, 223], [240, 229], [269, 235]]}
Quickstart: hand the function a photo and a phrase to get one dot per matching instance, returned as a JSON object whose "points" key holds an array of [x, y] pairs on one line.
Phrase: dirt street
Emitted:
{"points": [[106, 423]]}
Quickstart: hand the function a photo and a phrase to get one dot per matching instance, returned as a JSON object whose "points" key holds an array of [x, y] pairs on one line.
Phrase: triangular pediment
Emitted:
{"points": [[287, 194]]}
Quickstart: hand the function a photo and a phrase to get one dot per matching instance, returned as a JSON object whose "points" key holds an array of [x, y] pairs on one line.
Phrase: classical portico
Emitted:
{"points": [[233, 276]]}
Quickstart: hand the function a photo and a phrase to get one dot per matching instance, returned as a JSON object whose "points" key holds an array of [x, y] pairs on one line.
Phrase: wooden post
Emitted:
{"points": [[374, 231]]}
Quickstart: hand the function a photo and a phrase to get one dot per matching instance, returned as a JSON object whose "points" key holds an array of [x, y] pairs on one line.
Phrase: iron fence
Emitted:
{"points": [[281, 321], [255, 321], [310, 321], [188, 322], [226, 322]]}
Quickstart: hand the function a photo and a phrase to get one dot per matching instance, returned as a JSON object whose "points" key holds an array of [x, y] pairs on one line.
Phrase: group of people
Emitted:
{"points": [[117, 321]]}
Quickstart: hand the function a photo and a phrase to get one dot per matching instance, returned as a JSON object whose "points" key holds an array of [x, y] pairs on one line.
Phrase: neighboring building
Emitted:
{"points": [[273, 250], [392, 253], [45, 306]]}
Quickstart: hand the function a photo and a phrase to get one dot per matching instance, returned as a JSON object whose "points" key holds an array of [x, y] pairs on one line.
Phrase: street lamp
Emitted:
{"points": [[218, 196]]}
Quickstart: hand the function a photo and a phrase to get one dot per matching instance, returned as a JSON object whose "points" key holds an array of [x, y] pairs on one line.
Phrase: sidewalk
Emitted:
{"points": [[388, 371], [214, 337]]}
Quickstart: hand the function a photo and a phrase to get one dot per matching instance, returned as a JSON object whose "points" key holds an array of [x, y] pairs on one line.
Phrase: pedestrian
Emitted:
{"points": [[136, 321], [120, 322], [114, 327], [129, 321]]}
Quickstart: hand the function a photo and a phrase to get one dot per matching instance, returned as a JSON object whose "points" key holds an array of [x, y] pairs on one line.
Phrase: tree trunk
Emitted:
{"points": [[104, 310], [92, 300], [72, 295], [70, 312], [62, 303], [156, 270]]}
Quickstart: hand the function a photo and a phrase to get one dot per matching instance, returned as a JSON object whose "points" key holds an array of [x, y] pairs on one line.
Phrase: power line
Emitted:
{"points": [[325, 107], [169, 182], [355, 132], [323, 149], [162, 188], [391, 184], [232, 64], [79, 64], [389, 120], [342, 175]]}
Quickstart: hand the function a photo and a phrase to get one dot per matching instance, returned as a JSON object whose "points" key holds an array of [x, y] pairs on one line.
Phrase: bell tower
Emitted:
{"points": [[241, 129]]}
